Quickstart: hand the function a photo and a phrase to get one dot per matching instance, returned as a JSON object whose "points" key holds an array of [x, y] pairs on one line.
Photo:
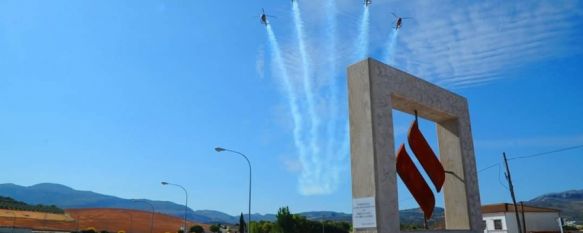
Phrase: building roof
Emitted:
{"points": [[507, 207]]}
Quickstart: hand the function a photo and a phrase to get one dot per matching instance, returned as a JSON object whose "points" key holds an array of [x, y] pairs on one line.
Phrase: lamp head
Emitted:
{"points": [[219, 149], [164, 183]]}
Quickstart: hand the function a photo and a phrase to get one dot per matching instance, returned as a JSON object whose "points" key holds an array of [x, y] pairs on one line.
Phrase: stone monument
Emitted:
{"points": [[374, 90]]}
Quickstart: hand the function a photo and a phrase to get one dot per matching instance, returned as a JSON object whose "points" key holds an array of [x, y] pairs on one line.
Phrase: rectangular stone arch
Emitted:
{"points": [[374, 90]]}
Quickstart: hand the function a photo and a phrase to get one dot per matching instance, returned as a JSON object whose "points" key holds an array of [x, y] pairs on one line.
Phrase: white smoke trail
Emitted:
{"points": [[362, 43], [291, 96], [332, 74], [463, 48], [309, 92], [389, 54]]}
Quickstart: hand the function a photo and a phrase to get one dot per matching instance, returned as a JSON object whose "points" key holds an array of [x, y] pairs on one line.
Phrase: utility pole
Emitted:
{"points": [[509, 179], [560, 221]]}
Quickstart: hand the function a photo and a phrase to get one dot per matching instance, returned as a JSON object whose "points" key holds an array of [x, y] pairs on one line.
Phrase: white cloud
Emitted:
{"points": [[474, 44]]}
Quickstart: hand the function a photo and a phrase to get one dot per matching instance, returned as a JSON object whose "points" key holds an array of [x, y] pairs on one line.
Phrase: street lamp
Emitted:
{"points": [[185, 203], [220, 149], [152, 216]]}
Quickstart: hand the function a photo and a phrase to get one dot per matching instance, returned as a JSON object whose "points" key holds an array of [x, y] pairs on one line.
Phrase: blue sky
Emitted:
{"points": [[115, 97]]}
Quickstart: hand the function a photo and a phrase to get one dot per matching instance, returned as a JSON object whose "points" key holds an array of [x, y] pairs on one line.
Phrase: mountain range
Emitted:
{"points": [[570, 203], [68, 198]]}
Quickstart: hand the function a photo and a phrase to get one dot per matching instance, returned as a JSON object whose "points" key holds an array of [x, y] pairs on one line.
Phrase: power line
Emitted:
{"points": [[546, 153], [533, 155], [499, 171], [491, 166]]}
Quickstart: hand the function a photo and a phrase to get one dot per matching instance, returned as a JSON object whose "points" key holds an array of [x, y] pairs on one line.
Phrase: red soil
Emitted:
{"points": [[112, 220]]}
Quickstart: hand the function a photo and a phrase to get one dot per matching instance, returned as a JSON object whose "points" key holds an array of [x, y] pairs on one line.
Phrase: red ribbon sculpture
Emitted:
{"points": [[411, 175]]}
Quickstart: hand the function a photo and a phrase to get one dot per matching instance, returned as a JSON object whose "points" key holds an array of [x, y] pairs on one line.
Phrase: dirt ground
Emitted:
{"points": [[112, 220]]}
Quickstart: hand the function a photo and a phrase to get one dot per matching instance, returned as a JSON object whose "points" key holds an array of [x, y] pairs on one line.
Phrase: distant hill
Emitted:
{"points": [[327, 215], [11, 204], [68, 198], [569, 202], [415, 216], [217, 216], [214, 216]]}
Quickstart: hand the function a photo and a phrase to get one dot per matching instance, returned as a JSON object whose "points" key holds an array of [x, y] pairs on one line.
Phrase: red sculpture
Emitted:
{"points": [[411, 175], [425, 156], [415, 182]]}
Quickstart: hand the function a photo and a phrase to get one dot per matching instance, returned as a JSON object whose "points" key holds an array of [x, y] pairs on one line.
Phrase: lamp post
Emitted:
{"points": [[185, 203], [152, 215], [220, 149]]}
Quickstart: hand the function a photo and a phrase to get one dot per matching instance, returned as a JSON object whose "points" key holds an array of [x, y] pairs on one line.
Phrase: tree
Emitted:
{"points": [[197, 229], [266, 227], [262, 227], [336, 227], [242, 224], [285, 220], [301, 224], [215, 228]]}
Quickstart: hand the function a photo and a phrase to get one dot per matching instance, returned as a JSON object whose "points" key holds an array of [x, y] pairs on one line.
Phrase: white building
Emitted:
{"points": [[501, 218]]}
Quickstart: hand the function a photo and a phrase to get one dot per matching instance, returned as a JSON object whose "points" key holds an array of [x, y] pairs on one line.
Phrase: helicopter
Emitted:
{"points": [[263, 17], [399, 21], [366, 2]]}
